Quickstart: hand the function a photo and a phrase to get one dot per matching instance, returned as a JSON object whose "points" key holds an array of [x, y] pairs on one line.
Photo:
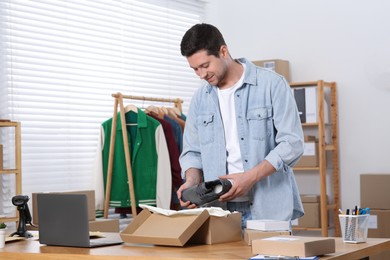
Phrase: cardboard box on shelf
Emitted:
{"points": [[294, 246], [310, 155], [379, 223], [374, 191], [311, 206], [180, 229], [90, 198], [250, 234], [281, 67]]}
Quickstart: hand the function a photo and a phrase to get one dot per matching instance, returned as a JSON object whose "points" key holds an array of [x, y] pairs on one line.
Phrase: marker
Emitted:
{"points": [[342, 213]]}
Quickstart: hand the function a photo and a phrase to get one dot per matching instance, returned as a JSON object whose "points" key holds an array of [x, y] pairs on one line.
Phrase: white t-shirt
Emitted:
{"points": [[228, 113]]}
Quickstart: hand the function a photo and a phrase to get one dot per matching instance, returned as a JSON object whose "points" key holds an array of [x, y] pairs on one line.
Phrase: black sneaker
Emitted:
{"points": [[206, 192]]}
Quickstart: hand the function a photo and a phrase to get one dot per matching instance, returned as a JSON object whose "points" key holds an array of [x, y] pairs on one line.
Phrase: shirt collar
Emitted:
{"points": [[250, 74], [141, 119]]}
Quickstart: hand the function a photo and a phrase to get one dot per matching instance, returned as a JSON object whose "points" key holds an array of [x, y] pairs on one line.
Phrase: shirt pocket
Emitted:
{"points": [[260, 123], [206, 128]]}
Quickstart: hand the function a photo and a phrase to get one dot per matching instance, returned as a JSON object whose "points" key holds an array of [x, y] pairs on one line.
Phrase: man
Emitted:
{"points": [[242, 125]]}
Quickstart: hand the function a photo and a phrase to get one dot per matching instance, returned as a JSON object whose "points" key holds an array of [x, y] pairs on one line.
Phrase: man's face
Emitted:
{"points": [[208, 67]]}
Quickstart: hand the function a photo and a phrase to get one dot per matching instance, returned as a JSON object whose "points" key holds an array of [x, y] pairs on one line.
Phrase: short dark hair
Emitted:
{"points": [[202, 37]]}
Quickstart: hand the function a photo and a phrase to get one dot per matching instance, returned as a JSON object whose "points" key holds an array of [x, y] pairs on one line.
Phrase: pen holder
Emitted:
{"points": [[354, 228]]}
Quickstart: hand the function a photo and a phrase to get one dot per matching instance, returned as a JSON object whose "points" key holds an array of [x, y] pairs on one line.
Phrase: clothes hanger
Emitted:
{"points": [[175, 111], [131, 107], [153, 109], [164, 110]]}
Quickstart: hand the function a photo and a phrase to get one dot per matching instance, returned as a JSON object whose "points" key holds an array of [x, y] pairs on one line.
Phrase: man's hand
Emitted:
{"points": [[193, 177], [244, 181], [241, 184]]}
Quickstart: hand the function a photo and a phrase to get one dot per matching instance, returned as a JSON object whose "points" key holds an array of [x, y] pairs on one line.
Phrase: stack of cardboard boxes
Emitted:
{"points": [[310, 153], [375, 194], [311, 219]]}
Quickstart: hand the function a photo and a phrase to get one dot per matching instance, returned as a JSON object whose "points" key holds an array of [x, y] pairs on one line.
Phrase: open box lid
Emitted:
{"points": [[157, 229]]}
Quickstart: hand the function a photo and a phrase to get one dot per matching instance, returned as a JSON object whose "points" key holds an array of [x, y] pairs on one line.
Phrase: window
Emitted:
{"points": [[61, 60]]}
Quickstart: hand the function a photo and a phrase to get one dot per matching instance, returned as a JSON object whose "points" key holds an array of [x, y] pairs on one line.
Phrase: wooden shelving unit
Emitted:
{"points": [[331, 148], [18, 163]]}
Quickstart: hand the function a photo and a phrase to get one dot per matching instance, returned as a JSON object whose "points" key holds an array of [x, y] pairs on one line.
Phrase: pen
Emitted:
{"points": [[341, 212]]}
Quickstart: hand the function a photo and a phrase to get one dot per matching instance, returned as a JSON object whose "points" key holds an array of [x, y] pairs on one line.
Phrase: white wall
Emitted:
{"points": [[343, 41]]}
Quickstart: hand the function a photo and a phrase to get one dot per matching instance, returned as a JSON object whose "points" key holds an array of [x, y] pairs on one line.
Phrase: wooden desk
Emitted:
{"points": [[31, 249]]}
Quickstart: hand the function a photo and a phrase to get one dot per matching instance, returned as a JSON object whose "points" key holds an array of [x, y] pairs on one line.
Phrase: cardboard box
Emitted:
{"points": [[311, 206], [379, 223], [90, 198], [268, 225], [178, 230], [374, 191], [250, 234], [310, 157], [383, 255], [294, 246], [310, 198], [157, 229], [281, 67], [219, 230], [104, 225]]}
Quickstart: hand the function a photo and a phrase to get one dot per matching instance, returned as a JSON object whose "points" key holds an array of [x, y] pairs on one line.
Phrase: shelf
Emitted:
{"points": [[306, 168], [8, 171], [17, 171], [328, 148]]}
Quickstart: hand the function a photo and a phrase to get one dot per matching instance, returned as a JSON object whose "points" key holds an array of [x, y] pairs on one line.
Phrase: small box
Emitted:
{"points": [[281, 67], [219, 230], [294, 246], [90, 198], [310, 154], [180, 229], [104, 225], [268, 225], [250, 234], [101, 225], [379, 223], [374, 191], [158, 229], [354, 228]]}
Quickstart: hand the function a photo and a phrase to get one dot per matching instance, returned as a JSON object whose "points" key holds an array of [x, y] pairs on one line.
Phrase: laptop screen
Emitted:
{"points": [[63, 219]]}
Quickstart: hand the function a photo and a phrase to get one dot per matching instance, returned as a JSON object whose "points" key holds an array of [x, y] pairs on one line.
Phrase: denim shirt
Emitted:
{"points": [[269, 129]]}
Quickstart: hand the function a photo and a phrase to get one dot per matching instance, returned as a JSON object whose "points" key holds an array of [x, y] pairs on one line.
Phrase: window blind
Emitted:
{"points": [[61, 60]]}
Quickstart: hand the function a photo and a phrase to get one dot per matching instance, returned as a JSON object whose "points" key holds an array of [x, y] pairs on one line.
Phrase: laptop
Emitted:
{"points": [[63, 221]]}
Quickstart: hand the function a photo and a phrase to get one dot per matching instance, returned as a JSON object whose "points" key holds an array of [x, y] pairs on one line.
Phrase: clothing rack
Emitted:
{"points": [[119, 101]]}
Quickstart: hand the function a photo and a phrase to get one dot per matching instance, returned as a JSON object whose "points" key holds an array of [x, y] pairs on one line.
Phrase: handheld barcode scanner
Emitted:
{"points": [[20, 201]]}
